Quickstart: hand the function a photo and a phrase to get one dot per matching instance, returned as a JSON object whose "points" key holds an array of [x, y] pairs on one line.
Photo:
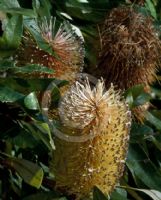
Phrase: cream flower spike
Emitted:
{"points": [[99, 161]]}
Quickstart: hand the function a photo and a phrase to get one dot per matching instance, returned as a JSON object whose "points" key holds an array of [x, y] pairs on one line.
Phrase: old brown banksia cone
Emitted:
{"points": [[102, 118], [130, 49], [67, 48]]}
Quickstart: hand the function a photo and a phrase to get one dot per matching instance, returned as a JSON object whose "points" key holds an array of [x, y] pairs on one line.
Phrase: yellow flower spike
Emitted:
{"points": [[67, 47], [102, 118]]}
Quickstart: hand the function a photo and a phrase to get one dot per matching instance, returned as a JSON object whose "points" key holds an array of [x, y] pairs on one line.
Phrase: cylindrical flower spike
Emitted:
{"points": [[130, 49], [68, 51], [103, 119]]}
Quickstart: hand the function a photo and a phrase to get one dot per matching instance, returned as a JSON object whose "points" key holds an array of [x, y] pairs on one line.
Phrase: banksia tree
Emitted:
{"points": [[95, 155], [65, 52], [130, 49]]}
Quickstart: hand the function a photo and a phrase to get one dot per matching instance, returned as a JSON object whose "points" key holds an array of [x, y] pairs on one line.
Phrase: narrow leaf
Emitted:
{"points": [[9, 95], [32, 68], [9, 3], [154, 120], [31, 101], [142, 168], [12, 33], [30, 172], [21, 11], [154, 194], [150, 6], [98, 195], [44, 196]]}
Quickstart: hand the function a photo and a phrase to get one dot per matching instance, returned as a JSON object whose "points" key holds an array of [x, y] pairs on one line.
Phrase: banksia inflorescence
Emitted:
{"points": [[130, 49], [103, 119], [67, 50]]}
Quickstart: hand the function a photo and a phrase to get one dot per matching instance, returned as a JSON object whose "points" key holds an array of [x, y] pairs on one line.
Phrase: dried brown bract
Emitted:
{"points": [[130, 48], [130, 51]]}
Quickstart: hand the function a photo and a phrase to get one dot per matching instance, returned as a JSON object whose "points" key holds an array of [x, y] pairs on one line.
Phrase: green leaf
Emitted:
{"points": [[42, 8], [32, 68], [150, 6], [9, 4], [9, 95], [154, 194], [31, 101], [142, 168], [129, 99], [119, 194], [27, 86], [39, 133], [88, 12], [30, 172], [20, 11], [136, 96], [23, 140], [142, 99], [153, 120], [5, 65], [12, 33], [44, 127], [135, 90], [156, 141], [44, 196], [98, 195], [140, 132]]}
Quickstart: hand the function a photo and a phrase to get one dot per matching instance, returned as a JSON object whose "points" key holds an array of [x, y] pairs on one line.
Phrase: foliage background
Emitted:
{"points": [[25, 138]]}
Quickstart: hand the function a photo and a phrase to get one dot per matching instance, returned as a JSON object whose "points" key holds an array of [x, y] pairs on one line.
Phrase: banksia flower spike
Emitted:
{"points": [[130, 49], [100, 121], [67, 50]]}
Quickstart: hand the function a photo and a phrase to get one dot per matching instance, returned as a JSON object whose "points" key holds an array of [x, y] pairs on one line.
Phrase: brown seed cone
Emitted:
{"points": [[68, 58], [130, 49], [80, 165]]}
